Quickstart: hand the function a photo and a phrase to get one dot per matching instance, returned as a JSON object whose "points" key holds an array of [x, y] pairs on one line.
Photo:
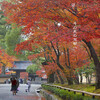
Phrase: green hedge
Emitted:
{"points": [[65, 94]]}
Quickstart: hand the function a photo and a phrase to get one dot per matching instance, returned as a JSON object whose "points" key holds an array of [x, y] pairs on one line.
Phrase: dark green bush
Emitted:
{"points": [[88, 98], [62, 93], [56, 91], [78, 97], [69, 95]]}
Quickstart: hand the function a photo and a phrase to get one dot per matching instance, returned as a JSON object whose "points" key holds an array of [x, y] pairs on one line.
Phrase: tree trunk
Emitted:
{"points": [[56, 80], [89, 79], [81, 78], [51, 78], [86, 80], [76, 79], [61, 79], [96, 63], [3, 70], [70, 80]]}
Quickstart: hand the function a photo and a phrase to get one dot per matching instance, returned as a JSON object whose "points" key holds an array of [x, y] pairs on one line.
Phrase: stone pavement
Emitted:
{"points": [[6, 94]]}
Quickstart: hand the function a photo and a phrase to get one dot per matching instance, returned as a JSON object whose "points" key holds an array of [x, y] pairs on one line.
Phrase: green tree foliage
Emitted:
{"points": [[12, 38], [9, 37], [31, 69], [2, 30], [87, 70]]}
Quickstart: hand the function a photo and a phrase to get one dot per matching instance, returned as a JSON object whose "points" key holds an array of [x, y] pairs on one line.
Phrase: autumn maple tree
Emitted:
{"points": [[6, 61], [53, 21], [62, 56]]}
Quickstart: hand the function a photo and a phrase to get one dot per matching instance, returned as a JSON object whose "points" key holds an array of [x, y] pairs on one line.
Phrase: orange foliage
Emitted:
{"points": [[34, 14], [41, 18], [6, 60]]}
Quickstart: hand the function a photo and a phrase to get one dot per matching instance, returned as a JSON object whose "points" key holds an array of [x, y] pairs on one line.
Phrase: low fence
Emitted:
{"points": [[75, 91]]}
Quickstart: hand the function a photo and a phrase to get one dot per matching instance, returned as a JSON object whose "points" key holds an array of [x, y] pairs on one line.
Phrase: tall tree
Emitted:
{"points": [[12, 38], [6, 60]]}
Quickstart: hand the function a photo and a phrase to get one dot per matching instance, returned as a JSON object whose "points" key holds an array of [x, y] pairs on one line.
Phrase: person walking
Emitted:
{"points": [[14, 86], [29, 85], [11, 83], [17, 85]]}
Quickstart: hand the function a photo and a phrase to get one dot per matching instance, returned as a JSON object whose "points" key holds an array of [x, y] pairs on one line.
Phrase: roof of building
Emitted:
{"points": [[21, 65]]}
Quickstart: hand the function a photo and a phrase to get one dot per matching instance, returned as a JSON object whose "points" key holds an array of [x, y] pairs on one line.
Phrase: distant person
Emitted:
{"points": [[20, 81], [17, 85], [29, 85], [10, 82], [14, 86], [7, 81]]}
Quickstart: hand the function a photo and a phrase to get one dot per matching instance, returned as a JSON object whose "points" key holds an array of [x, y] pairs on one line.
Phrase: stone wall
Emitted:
{"points": [[3, 78], [47, 95]]}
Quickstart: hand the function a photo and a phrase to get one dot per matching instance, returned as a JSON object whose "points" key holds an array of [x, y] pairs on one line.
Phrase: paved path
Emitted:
{"points": [[6, 94]]}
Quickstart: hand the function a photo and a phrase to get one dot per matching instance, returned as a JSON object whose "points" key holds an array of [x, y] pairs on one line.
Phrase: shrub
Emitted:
{"points": [[78, 97], [62, 93]]}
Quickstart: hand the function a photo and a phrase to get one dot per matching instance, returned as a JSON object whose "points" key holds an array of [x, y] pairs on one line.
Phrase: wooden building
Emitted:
{"points": [[20, 68]]}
